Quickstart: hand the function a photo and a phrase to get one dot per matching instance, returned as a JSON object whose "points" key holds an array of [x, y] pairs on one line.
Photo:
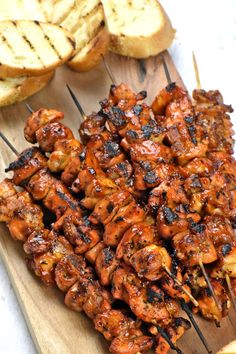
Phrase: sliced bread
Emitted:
{"points": [[228, 349], [138, 28], [32, 48], [17, 89], [85, 20], [39, 10]]}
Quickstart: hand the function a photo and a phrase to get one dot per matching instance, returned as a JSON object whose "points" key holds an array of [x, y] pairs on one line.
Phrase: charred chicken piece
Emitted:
{"points": [[27, 164], [68, 270], [150, 262], [207, 305], [212, 116], [108, 207], [44, 264], [132, 345], [166, 96], [39, 119], [39, 241], [116, 323], [105, 265], [175, 331], [193, 247], [51, 133], [135, 238], [64, 152], [81, 233], [126, 216]]}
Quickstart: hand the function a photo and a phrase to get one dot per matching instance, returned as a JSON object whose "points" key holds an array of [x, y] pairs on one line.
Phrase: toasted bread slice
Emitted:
{"points": [[138, 29], [32, 48], [17, 89], [85, 20], [228, 349], [26, 10]]}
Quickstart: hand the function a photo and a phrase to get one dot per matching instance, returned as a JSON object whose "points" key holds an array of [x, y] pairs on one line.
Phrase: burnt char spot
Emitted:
{"points": [[104, 103], [170, 87], [196, 183], [119, 218], [141, 95], [147, 130], [132, 134], [117, 117], [226, 249], [110, 207], [123, 167], [196, 227], [82, 156], [137, 109], [23, 158], [112, 149], [91, 171], [109, 255], [145, 165], [64, 197], [84, 237], [169, 215], [189, 119], [192, 132], [150, 177], [153, 296]]}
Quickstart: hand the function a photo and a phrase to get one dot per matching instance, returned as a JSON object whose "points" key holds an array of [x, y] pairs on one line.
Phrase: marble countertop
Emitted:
{"points": [[209, 28]]}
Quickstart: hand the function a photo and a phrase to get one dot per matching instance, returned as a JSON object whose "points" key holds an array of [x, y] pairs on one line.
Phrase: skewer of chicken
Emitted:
{"points": [[225, 272], [186, 308], [54, 260]]}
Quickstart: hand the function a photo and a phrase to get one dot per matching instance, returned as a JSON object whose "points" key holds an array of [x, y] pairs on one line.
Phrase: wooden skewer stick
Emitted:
{"points": [[30, 109], [169, 341], [194, 301], [4, 138], [195, 325], [197, 76], [109, 71], [209, 285], [78, 105], [167, 73], [227, 278]]}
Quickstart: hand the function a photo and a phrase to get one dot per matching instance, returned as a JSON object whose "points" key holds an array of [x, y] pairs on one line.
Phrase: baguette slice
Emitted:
{"points": [[228, 349], [138, 28], [86, 21], [32, 48], [17, 89], [26, 10]]}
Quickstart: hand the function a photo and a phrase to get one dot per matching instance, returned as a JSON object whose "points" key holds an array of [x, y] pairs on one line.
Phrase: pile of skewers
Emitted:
{"points": [[136, 220]]}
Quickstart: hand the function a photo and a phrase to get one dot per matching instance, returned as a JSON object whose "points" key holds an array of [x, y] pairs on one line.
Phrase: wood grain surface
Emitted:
{"points": [[54, 328]]}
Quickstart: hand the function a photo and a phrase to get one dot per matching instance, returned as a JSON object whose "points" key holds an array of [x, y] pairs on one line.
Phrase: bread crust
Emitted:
{"points": [[141, 47], [7, 69], [25, 88], [91, 54]]}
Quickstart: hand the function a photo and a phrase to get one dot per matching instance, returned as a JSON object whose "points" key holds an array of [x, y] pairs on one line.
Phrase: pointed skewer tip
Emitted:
{"points": [[9, 144], [76, 102]]}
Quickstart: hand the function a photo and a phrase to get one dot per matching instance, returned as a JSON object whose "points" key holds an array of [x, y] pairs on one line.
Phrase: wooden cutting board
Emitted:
{"points": [[54, 328]]}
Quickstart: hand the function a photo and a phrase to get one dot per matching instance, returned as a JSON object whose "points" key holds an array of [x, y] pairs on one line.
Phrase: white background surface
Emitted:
{"points": [[209, 28]]}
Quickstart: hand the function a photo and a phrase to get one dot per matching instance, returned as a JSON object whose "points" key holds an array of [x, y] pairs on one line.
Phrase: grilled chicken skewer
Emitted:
{"points": [[54, 210], [200, 262], [226, 275], [53, 259]]}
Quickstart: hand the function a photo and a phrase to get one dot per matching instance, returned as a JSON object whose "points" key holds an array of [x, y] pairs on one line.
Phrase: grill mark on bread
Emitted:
{"points": [[48, 40], [31, 46], [65, 15], [95, 34], [89, 15]]}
